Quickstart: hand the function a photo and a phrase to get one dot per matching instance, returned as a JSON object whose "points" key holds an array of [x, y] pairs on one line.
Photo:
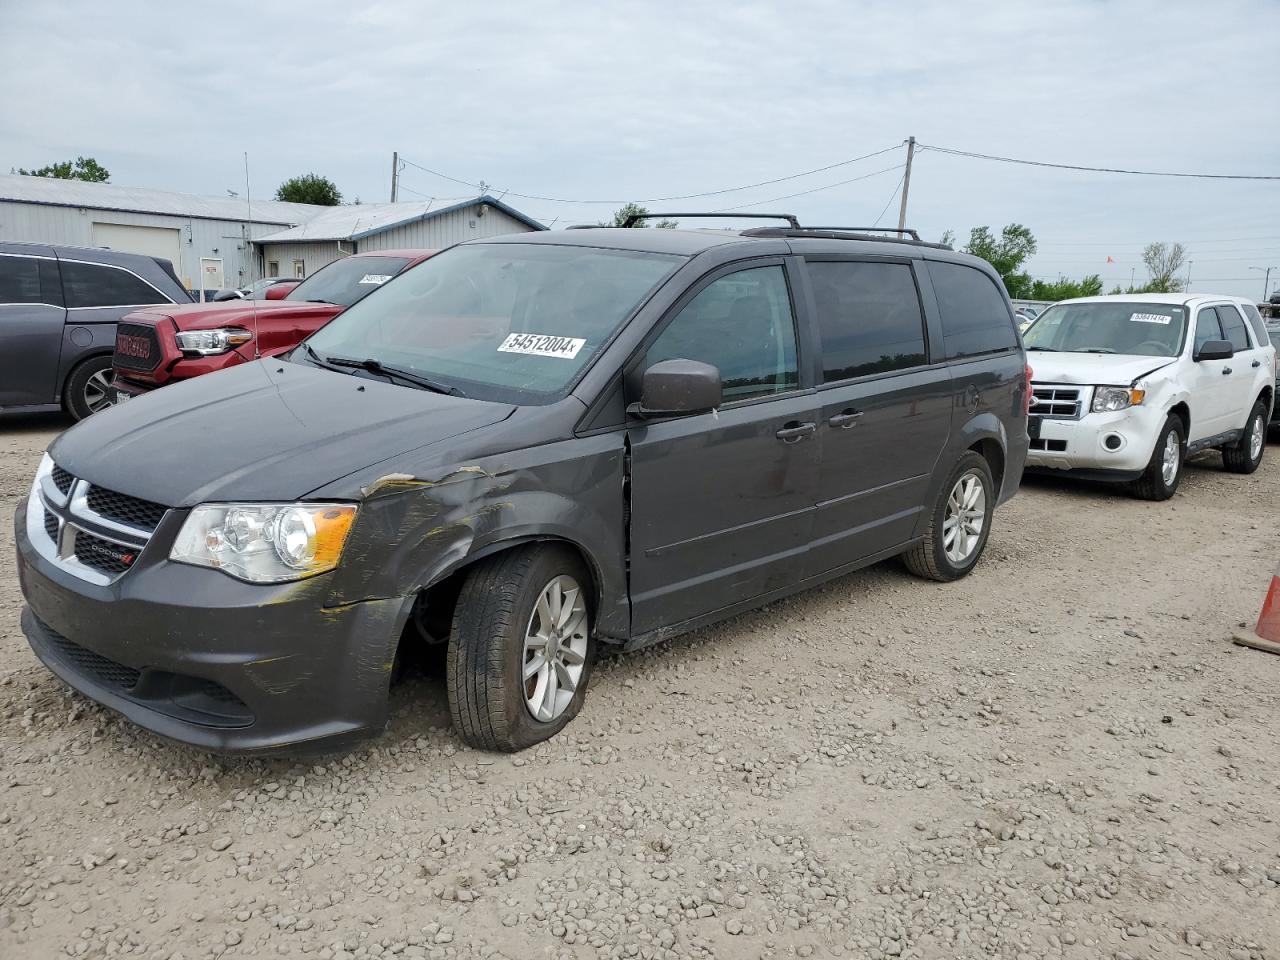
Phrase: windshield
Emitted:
{"points": [[512, 321], [345, 281], [1132, 328]]}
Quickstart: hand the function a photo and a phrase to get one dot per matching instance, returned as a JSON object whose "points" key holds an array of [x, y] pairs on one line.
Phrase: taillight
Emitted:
{"points": [[1028, 399]]}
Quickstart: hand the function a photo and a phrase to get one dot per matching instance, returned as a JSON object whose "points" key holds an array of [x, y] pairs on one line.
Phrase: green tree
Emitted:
{"points": [[310, 188], [1064, 289], [1164, 262], [1007, 254], [81, 168], [621, 215]]}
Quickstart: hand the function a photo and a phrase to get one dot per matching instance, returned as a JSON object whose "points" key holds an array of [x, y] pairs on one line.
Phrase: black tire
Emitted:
{"points": [[1238, 457], [487, 694], [929, 558], [1151, 485], [85, 383]]}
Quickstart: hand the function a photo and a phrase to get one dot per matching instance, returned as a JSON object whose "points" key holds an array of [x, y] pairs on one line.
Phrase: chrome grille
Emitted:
{"points": [[110, 558], [95, 533], [124, 508], [62, 480], [1057, 403]]}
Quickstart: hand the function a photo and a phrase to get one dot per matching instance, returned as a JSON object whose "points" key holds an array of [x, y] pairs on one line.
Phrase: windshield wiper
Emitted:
{"points": [[329, 302], [377, 366], [1094, 350], [1044, 349], [316, 358]]}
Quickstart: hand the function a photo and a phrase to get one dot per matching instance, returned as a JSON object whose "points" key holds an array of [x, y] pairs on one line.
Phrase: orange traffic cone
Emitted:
{"points": [[1266, 635]]}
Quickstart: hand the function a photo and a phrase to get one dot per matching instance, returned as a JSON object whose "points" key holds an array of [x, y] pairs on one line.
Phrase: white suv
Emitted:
{"points": [[1124, 387]]}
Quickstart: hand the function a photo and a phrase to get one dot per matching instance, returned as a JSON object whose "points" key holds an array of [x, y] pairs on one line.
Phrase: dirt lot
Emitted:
{"points": [[1062, 755]]}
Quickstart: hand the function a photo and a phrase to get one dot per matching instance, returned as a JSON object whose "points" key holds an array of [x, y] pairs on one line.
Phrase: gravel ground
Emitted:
{"points": [[1062, 755]]}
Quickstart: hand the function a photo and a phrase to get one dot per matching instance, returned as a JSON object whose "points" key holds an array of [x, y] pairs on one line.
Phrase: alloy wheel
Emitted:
{"points": [[1171, 458], [1257, 436], [555, 648], [965, 516], [97, 392]]}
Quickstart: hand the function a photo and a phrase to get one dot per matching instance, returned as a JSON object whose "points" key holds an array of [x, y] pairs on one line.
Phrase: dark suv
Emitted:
{"points": [[58, 313], [524, 447]]}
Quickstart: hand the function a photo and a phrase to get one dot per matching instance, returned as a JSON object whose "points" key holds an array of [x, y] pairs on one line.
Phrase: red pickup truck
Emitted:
{"points": [[164, 344]]}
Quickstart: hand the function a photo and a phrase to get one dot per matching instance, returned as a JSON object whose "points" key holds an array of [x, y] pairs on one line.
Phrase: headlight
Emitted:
{"points": [[208, 343], [1109, 399], [265, 542]]}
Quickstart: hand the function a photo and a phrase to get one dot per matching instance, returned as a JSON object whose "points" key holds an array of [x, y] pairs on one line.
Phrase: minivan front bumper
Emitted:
{"points": [[199, 657]]}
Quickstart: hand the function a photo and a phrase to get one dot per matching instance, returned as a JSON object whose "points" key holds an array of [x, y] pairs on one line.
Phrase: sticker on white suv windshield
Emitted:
{"points": [[375, 278], [1150, 318], [541, 345]]}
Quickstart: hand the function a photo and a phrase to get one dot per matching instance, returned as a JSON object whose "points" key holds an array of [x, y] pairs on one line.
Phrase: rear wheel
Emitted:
{"points": [[1245, 454], [1159, 481], [521, 649], [88, 388], [959, 525]]}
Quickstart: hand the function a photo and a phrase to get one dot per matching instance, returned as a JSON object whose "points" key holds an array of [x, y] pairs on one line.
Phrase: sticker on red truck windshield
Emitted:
{"points": [[1150, 318], [375, 278], [542, 345]]}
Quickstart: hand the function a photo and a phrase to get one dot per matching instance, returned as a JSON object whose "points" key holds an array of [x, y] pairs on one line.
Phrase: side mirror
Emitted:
{"points": [[1215, 350], [224, 295], [278, 291], [675, 387]]}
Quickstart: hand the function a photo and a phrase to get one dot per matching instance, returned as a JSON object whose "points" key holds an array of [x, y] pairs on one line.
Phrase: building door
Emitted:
{"points": [[299, 270], [163, 242]]}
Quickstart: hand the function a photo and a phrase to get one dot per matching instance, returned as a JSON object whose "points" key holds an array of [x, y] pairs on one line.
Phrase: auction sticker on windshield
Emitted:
{"points": [[542, 345], [1150, 318], [375, 278]]}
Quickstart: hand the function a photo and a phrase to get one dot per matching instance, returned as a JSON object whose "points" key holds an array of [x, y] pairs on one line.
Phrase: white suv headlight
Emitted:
{"points": [[265, 542], [1110, 399], [209, 343]]}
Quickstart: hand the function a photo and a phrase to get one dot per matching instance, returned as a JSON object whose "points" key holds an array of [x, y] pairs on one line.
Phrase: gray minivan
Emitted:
{"points": [[58, 311], [524, 448]]}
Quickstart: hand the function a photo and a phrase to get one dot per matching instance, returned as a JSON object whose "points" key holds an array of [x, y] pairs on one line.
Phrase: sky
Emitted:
{"points": [[574, 101]]}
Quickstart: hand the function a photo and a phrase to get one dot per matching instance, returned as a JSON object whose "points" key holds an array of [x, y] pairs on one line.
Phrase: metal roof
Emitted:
{"points": [[109, 196], [357, 221]]}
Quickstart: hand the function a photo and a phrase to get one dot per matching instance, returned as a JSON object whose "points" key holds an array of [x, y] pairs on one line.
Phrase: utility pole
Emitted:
{"points": [[906, 183], [395, 174], [1132, 271], [1266, 280], [1187, 288]]}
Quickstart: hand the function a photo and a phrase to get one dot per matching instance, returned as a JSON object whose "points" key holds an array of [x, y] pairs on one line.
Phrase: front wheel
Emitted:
{"points": [[521, 649], [1245, 454], [88, 388], [959, 525], [1160, 479]]}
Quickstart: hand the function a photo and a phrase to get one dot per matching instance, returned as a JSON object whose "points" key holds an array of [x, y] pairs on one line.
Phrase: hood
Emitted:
{"points": [[1114, 369], [233, 313], [267, 430]]}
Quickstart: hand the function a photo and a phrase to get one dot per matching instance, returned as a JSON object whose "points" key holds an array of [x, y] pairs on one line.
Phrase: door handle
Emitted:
{"points": [[845, 419], [1225, 371], [1257, 364], [795, 430]]}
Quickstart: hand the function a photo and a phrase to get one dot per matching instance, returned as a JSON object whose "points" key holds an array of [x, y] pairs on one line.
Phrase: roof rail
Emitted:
{"points": [[907, 232], [635, 218], [839, 233]]}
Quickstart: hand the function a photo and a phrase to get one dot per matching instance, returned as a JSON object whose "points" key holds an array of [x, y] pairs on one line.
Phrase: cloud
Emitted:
{"points": [[610, 101]]}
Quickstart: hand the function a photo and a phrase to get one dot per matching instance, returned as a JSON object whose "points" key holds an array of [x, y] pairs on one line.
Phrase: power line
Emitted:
{"points": [[893, 196], [686, 196], [1072, 166], [805, 193]]}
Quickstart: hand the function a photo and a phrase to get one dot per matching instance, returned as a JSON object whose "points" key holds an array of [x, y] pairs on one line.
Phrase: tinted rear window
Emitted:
{"points": [[975, 318], [95, 285], [869, 318], [19, 280]]}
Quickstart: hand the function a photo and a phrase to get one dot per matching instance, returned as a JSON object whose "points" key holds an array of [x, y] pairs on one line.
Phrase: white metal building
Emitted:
{"points": [[204, 237], [360, 228]]}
